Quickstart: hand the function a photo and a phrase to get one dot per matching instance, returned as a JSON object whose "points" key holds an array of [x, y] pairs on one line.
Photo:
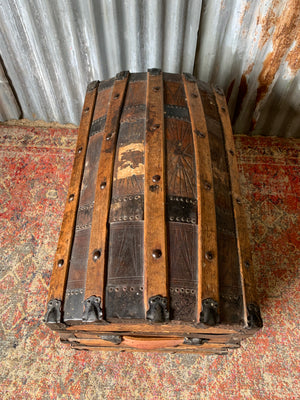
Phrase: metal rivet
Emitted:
{"points": [[247, 264], [207, 186], [194, 95], [108, 137], [96, 255], [239, 201], [60, 263], [156, 253], [223, 109], [103, 185], [231, 152], [86, 109], [155, 126], [209, 255], [200, 134], [156, 88], [71, 197], [79, 150], [116, 96], [219, 90], [156, 178]]}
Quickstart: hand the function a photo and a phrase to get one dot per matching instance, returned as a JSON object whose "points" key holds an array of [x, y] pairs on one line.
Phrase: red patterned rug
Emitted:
{"points": [[35, 166]]}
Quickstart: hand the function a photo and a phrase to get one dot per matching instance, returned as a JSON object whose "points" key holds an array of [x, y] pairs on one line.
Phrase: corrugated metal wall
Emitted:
{"points": [[51, 49]]}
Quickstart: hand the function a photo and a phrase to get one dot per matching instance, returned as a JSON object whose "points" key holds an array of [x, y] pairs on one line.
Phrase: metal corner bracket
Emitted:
{"points": [[158, 309]]}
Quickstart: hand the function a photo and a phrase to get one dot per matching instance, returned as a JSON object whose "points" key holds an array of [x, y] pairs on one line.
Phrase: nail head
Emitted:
{"points": [[156, 253]]}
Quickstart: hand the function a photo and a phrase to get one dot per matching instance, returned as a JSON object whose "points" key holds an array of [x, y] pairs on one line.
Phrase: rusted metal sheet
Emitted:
{"points": [[52, 49], [253, 54]]}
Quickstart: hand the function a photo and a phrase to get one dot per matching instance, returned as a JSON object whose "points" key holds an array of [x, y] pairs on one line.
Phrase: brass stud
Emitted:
{"points": [[60, 263], [209, 255], [79, 150], [207, 186], [86, 109], [71, 197], [239, 201], [156, 178], [156, 253], [231, 152], [247, 264], [103, 185], [223, 109], [116, 96], [156, 88], [96, 255], [194, 95]]}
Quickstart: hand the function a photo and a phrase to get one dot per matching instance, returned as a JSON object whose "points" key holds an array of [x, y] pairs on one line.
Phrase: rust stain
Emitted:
{"points": [[229, 91], [249, 69], [268, 22], [293, 58], [253, 124], [283, 37], [247, 6], [243, 88]]}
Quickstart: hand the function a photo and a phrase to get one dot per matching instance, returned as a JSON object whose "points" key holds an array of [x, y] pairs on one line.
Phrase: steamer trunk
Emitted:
{"points": [[153, 252]]}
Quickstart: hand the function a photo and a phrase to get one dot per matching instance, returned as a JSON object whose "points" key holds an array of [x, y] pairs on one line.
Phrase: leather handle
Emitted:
{"points": [[151, 343]]}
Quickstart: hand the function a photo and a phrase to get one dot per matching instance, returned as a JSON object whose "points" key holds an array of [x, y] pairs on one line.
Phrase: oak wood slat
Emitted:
{"points": [[153, 329], [62, 256], [155, 246], [95, 281], [243, 242], [208, 287]]}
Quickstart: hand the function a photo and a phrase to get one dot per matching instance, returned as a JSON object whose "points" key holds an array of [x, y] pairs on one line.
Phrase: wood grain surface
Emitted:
{"points": [[95, 281], [155, 247], [65, 241], [242, 236], [208, 286]]}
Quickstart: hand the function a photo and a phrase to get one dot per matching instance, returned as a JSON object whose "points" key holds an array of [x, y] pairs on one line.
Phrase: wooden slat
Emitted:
{"points": [[208, 287], [95, 280], [154, 329], [155, 247], [243, 242], [63, 253]]}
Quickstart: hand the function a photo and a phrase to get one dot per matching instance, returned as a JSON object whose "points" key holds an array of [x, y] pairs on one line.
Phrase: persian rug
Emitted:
{"points": [[35, 167]]}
